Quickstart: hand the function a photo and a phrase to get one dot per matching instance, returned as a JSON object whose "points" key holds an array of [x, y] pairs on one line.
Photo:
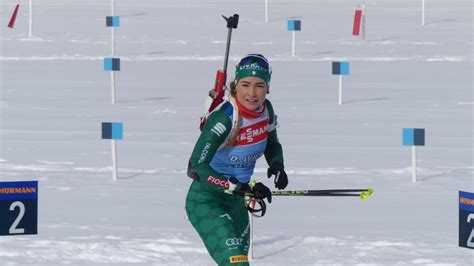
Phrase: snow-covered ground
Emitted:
{"points": [[54, 96]]}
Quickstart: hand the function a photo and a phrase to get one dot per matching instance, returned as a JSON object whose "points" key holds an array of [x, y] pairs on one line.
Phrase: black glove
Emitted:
{"points": [[260, 191], [281, 179]]}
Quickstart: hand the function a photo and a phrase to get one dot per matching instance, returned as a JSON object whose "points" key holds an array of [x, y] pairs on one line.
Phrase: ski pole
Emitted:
{"points": [[313, 191], [361, 193]]}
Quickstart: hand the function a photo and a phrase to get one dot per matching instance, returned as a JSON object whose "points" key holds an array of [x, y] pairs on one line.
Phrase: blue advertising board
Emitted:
{"points": [[466, 219], [19, 208]]}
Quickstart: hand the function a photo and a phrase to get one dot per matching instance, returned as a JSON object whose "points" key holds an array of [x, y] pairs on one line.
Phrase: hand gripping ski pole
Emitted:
{"points": [[217, 93], [254, 203], [256, 206]]}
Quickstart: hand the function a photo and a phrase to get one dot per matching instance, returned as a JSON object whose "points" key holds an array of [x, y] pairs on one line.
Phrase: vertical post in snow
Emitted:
{"points": [[113, 29], [340, 69], [114, 160], [30, 31], [413, 137], [423, 12], [413, 161], [293, 46], [112, 73], [340, 89], [363, 21], [113, 131], [112, 64], [112, 82], [294, 25], [266, 10]]}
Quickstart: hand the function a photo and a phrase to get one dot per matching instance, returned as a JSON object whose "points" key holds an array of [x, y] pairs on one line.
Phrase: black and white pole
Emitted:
{"points": [[112, 64], [294, 26], [113, 131], [340, 69], [19, 208], [414, 137]]}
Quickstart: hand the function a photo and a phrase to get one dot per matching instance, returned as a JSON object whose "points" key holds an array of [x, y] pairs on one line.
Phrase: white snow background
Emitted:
{"points": [[55, 94]]}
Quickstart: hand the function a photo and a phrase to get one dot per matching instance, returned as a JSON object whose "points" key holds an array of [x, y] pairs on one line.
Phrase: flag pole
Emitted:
{"points": [[30, 31]]}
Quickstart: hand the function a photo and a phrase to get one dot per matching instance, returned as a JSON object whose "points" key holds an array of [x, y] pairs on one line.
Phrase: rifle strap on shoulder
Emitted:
{"points": [[236, 124]]}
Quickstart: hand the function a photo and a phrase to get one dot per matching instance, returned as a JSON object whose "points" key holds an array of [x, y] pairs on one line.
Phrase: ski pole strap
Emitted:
{"points": [[256, 206]]}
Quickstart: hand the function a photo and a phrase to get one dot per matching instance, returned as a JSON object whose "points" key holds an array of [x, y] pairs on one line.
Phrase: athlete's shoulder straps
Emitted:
{"points": [[230, 109], [272, 118]]}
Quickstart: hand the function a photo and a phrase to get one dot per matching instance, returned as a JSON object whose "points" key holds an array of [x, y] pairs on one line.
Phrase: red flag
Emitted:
{"points": [[13, 18], [357, 19]]}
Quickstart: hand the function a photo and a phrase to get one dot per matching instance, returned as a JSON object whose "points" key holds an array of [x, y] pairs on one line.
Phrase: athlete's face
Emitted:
{"points": [[251, 92]]}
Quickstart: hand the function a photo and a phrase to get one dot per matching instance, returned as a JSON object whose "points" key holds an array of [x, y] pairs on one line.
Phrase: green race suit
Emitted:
{"points": [[221, 219]]}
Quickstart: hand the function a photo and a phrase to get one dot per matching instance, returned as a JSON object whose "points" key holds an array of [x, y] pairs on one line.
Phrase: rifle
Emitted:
{"points": [[216, 95]]}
